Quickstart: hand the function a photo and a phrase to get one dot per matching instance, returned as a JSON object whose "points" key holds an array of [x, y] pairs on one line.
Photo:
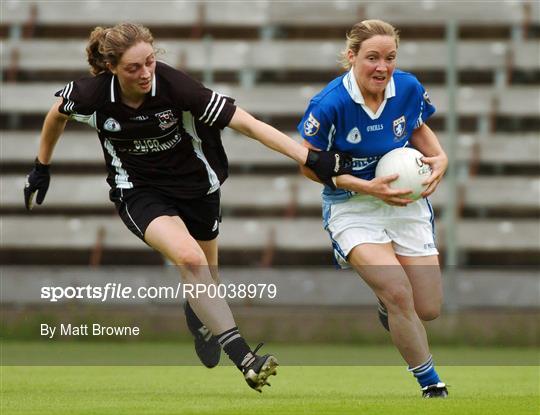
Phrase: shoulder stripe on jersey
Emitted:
{"points": [[219, 111], [214, 111], [66, 92], [420, 120], [331, 136], [208, 106], [214, 104]]}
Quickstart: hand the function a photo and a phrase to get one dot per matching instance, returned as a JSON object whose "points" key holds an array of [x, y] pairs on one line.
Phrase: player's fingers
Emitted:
{"points": [[399, 201], [430, 189], [29, 198], [426, 193], [435, 176], [430, 180], [428, 159], [41, 195], [400, 192], [390, 178]]}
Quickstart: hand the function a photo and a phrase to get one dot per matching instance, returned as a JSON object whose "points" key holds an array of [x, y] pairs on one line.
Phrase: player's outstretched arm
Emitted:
{"points": [[425, 141], [324, 164], [38, 179], [53, 127], [378, 187]]}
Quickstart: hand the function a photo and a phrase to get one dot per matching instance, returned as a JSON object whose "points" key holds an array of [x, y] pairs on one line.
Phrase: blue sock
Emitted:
{"points": [[425, 373]]}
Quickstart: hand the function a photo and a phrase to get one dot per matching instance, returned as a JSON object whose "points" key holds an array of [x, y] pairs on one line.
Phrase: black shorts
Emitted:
{"points": [[139, 207]]}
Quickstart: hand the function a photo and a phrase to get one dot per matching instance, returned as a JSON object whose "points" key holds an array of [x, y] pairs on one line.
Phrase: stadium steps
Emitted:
{"points": [[81, 151], [271, 195], [290, 19], [479, 108], [283, 61], [275, 55], [284, 241], [499, 33], [291, 100]]}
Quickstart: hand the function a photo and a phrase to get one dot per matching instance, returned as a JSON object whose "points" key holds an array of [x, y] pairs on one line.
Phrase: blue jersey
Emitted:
{"points": [[338, 119]]}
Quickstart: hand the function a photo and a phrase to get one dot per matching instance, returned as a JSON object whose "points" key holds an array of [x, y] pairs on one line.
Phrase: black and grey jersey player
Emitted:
{"points": [[170, 143], [160, 133]]}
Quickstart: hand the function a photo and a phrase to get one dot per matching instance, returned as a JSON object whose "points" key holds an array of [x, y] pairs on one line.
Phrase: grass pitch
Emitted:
{"points": [[505, 390]]}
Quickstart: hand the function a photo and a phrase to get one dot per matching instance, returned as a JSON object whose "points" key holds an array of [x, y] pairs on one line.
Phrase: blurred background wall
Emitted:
{"points": [[273, 57]]}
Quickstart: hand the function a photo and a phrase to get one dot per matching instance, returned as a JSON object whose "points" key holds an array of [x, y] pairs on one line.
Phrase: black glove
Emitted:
{"points": [[326, 164], [37, 181]]}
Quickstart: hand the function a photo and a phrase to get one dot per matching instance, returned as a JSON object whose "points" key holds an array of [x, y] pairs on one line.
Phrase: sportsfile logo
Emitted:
{"points": [[119, 291]]}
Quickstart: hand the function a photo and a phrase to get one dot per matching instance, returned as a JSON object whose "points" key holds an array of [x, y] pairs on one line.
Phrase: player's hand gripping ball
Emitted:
{"points": [[407, 162]]}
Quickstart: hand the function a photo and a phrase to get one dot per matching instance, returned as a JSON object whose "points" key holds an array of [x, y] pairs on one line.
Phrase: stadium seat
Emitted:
{"points": [[433, 12], [267, 193], [100, 13], [246, 234], [307, 55], [19, 147], [273, 57], [83, 148], [289, 100]]}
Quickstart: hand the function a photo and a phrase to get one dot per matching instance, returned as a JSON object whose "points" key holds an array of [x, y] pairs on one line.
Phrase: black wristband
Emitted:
{"points": [[40, 167], [312, 158]]}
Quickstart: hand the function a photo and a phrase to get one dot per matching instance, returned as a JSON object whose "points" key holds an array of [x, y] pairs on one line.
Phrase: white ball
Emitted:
{"points": [[412, 171]]}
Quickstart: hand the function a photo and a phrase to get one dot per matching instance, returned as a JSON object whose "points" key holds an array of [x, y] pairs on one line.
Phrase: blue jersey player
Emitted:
{"points": [[386, 237]]}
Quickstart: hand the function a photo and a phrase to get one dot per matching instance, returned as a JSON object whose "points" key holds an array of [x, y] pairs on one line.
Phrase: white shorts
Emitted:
{"points": [[366, 219]]}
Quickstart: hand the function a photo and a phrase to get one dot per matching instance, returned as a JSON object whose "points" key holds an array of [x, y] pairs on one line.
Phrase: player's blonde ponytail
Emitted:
{"points": [[364, 30], [107, 45]]}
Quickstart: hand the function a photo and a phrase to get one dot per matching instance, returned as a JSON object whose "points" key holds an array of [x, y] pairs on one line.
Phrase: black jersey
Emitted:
{"points": [[171, 142]]}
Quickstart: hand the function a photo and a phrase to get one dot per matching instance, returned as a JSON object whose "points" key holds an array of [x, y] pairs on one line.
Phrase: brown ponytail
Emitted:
{"points": [[107, 45]]}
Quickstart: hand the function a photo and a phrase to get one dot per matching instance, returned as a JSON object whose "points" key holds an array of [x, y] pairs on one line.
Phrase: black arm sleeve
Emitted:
{"points": [[207, 106]]}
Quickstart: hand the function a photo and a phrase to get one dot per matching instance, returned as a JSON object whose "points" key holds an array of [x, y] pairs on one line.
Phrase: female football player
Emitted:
{"points": [[160, 133], [386, 237]]}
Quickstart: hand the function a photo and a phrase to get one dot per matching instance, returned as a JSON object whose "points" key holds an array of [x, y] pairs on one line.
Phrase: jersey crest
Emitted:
{"points": [[311, 126], [111, 125], [398, 127], [354, 136], [166, 119]]}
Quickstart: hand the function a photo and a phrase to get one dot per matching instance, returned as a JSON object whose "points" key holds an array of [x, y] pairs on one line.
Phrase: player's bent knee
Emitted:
{"points": [[429, 313], [398, 297], [192, 259]]}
